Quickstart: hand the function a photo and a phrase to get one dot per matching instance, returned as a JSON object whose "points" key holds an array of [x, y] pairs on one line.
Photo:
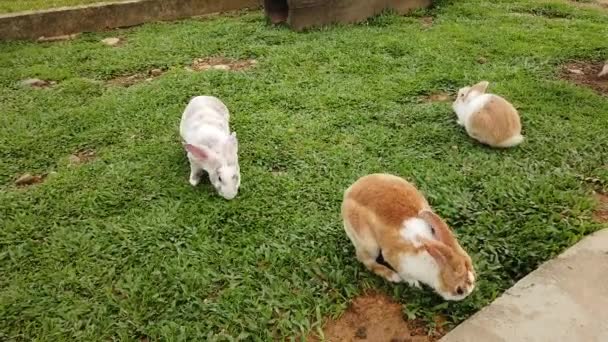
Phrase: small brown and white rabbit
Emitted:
{"points": [[386, 215], [488, 118]]}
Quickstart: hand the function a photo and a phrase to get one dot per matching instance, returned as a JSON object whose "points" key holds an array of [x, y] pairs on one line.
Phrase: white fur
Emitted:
{"points": [[512, 141], [419, 267], [205, 124], [470, 105], [415, 228], [422, 267]]}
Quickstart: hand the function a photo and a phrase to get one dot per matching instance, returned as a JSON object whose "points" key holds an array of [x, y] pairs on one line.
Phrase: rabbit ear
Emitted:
{"points": [[480, 87], [439, 251], [198, 152], [202, 154], [440, 228], [232, 144]]}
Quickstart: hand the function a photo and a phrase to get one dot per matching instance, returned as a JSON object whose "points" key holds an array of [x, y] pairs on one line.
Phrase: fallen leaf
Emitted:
{"points": [[28, 179]]}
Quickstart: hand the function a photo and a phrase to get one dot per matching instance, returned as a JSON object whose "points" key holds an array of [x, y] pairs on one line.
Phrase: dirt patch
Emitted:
{"points": [[221, 63], [373, 317], [437, 97], [549, 11], [583, 3], [37, 83], [601, 212], [82, 157], [29, 179], [586, 74], [129, 80], [426, 22]]}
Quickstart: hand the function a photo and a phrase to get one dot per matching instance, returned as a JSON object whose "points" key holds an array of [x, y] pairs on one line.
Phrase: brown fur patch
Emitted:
{"points": [[585, 74], [496, 122], [390, 198], [375, 317]]}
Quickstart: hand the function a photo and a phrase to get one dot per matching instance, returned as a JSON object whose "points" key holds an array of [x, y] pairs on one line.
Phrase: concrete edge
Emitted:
{"points": [[508, 309], [102, 16]]}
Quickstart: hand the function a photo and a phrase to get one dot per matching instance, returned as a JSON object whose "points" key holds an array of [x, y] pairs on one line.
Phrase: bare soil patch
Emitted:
{"points": [[437, 97], [37, 83], [426, 21], [374, 317], [586, 74], [600, 3], [601, 212], [221, 63], [82, 157], [129, 80]]}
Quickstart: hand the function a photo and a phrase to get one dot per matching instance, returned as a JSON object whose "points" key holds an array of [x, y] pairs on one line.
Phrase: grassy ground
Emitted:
{"points": [[9, 6], [123, 247]]}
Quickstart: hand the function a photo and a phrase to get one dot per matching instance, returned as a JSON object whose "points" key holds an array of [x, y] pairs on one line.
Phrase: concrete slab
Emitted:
{"points": [[102, 16], [565, 299]]}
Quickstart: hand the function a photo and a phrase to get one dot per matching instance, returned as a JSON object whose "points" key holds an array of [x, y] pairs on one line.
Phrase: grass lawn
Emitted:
{"points": [[9, 6], [123, 247]]}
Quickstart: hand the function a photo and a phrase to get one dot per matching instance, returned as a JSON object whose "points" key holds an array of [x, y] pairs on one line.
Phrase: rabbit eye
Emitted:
{"points": [[220, 179], [459, 291]]}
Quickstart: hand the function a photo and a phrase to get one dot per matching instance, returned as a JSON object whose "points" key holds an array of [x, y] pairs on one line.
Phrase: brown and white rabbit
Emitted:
{"points": [[386, 214], [488, 118]]}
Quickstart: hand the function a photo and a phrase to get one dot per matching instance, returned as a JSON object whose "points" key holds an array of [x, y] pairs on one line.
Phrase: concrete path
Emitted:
{"points": [[564, 300]]}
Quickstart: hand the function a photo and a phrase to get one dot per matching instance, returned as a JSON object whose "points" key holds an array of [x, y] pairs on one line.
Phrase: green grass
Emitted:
{"points": [[9, 6], [124, 247]]}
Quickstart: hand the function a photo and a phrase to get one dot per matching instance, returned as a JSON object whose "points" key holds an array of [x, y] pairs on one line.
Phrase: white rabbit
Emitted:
{"points": [[210, 145], [488, 118]]}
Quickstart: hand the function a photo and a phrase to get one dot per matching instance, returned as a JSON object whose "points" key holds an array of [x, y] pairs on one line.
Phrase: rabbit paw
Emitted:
{"points": [[394, 278], [413, 283], [194, 180]]}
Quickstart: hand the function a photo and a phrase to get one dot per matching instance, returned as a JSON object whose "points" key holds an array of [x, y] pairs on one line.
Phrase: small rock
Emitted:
{"points": [[112, 41], [156, 72], [482, 60], [604, 72], [35, 82], [576, 71], [361, 333], [188, 69], [149, 79], [221, 67], [454, 147], [28, 179]]}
